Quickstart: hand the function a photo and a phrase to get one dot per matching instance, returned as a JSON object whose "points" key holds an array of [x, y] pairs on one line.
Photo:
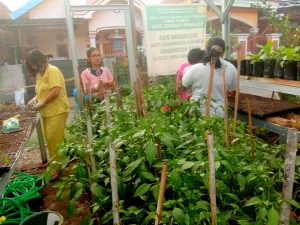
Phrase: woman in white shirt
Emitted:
{"points": [[197, 77]]}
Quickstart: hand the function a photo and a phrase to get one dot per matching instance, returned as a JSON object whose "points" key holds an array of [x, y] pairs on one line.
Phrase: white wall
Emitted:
{"points": [[11, 77], [107, 19], [46, 41]]}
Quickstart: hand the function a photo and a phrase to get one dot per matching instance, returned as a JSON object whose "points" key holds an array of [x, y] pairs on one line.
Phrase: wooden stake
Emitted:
{"points": [[289, 172], [158, 148], [212, 178], [162, 188], [139, 99], [250, 130], [225, 108], [210, 85], [117, 87], [113, 168], [237, 90], [90, 128]]}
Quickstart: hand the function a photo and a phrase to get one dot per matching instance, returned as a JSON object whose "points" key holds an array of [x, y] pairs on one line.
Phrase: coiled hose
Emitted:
{"points": [[13, 202]]}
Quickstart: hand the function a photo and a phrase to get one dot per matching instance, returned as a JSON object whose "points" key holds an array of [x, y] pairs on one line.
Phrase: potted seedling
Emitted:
{"points": [[258, 65], [267, 55], [290, 58]]}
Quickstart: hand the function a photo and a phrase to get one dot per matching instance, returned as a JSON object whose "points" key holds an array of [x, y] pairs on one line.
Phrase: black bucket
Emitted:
{"points": [[44, 218]]}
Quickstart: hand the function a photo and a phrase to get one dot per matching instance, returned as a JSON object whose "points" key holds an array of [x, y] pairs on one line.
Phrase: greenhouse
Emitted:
{"points": [[149, 112]]}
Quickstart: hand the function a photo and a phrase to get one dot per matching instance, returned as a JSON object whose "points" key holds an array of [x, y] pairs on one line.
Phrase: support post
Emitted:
{"points": [[289, 172], [41, 141], [212, 178], [72, 48], [130, 48]]}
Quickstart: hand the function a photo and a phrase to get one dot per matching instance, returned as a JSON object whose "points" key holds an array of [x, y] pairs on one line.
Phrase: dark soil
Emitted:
{"points": [[262, 107]]}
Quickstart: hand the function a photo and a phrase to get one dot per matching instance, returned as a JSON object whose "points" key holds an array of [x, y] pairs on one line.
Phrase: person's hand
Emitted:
{"points": [[32, 101], [39, 105]]}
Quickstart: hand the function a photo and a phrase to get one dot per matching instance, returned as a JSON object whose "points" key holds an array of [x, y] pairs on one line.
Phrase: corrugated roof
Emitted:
{"points": [[25, 8]]}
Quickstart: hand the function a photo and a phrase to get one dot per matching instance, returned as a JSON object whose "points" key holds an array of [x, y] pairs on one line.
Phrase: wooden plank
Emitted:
{"points": [[291, 83]]}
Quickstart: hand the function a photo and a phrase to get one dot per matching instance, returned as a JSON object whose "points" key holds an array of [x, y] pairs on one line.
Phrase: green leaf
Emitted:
{"points": [[273, 217], [97, 190], [294, 203], [148, 176], [142, 190], [187, 165], [262, 213], [233, 196], [131, 167], [150, 151], [253, 201], [241, 181], [65, 162], [139, 134], [297, 160], [203, 205], [175, 179], [155, 191], [185, 143], [166, 140], [179, 216]]}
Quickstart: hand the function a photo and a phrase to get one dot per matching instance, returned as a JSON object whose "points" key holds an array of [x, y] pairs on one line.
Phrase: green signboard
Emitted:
{"points": [[175, 18]]}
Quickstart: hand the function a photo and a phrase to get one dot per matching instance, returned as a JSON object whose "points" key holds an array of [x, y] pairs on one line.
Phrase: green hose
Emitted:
{"points": [[13, 202]]}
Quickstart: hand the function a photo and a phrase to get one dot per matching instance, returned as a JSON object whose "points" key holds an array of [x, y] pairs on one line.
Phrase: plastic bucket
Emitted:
{"points": [[44, 218]]}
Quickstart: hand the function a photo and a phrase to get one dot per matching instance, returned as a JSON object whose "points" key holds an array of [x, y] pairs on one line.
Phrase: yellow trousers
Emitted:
{"points": [[54, 131]]}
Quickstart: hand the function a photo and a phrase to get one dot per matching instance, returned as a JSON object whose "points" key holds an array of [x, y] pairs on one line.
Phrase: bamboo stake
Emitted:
{"points": [[225, 108], [90, 129], [162, 188], [158, 148], [250, 129], [137, 99], [237, 90], [212, 178], [113, 168], [289, 172], [210, 85], [117, 87]]}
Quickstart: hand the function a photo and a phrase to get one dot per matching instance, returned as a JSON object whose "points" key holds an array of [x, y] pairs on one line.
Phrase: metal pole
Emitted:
{"points": [[72, 47], [226, 30], [130, 48]]}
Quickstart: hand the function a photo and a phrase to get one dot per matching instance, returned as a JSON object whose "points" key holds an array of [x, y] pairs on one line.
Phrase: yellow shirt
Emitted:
{"points": [[52, 78]]}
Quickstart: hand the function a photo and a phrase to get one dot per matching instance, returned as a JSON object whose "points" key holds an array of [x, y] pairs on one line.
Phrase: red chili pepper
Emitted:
{"points": [[166, 109]]}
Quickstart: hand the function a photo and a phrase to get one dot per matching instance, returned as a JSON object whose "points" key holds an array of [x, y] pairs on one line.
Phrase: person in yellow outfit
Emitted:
{"points": [[50, 100]]}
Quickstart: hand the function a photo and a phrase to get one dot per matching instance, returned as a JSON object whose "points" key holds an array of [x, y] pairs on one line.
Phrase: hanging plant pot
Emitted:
{"points": [[298, 71], [258, 69], [290, 70], [278, 71], [249, 68], [243, 67], [269, 66]]}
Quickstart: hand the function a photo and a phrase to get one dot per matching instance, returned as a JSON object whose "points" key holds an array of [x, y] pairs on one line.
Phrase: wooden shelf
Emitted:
{"points": [[291, 83], [271, 84]]}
